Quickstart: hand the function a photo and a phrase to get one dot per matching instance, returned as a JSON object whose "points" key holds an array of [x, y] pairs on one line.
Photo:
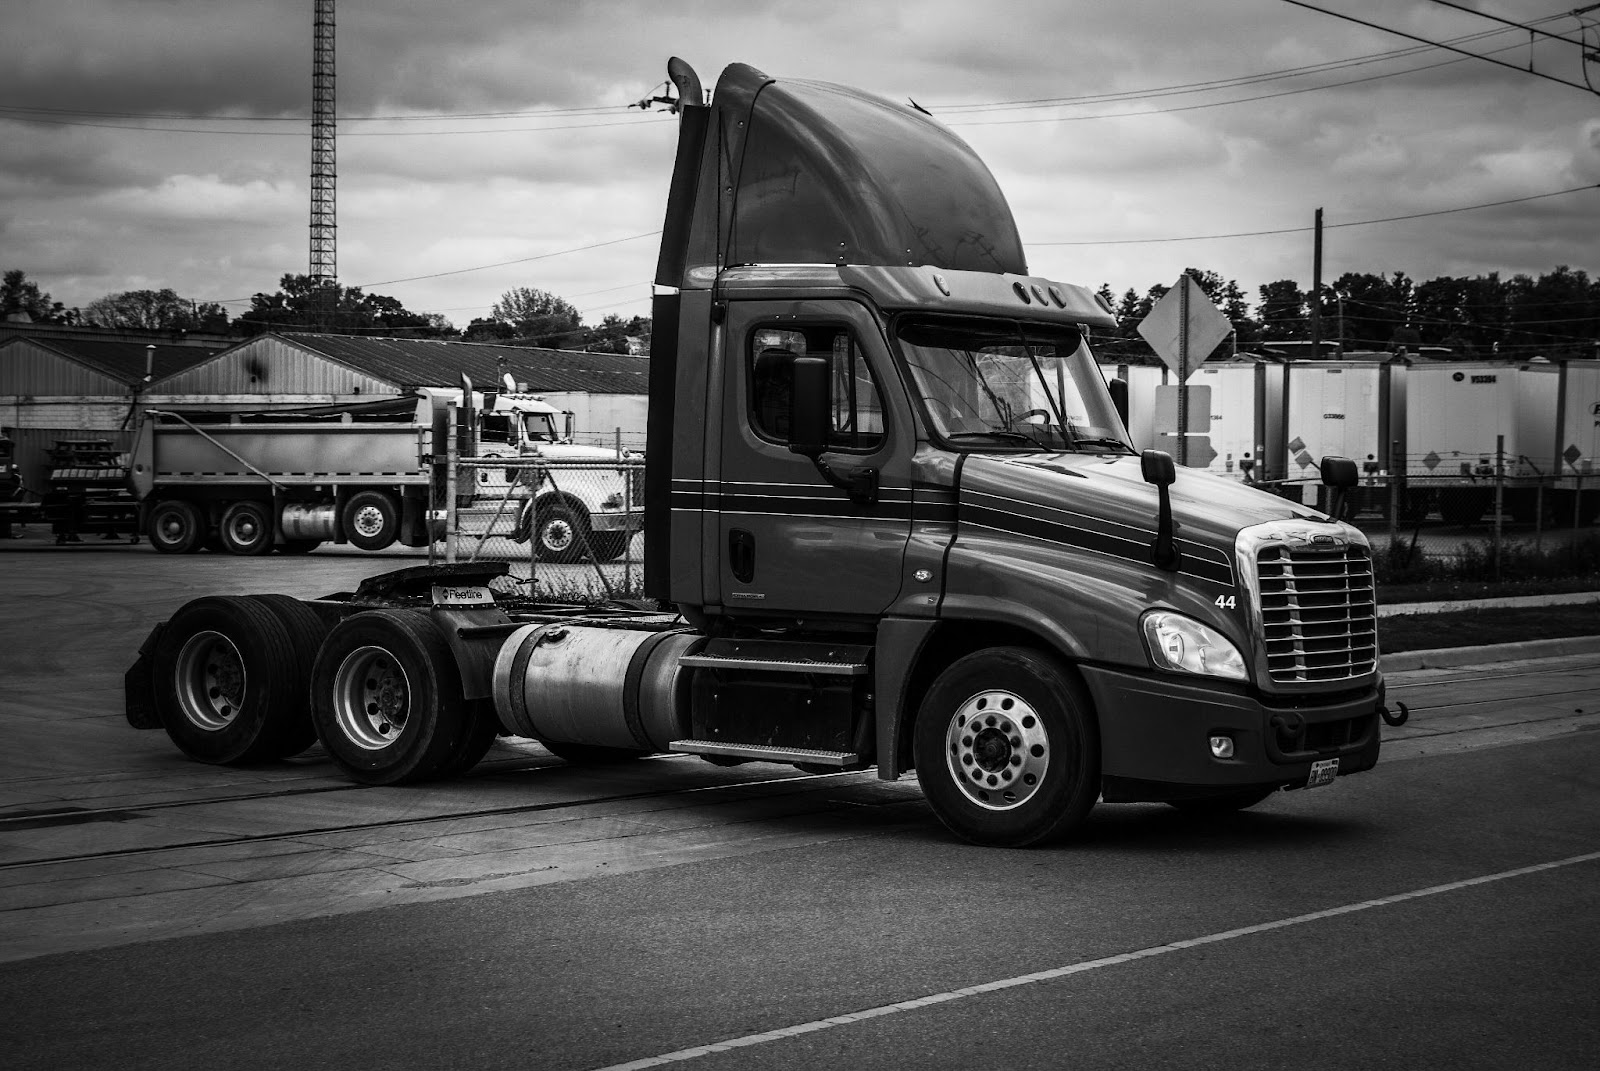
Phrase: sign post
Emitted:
{"points": [[1183, 329]]}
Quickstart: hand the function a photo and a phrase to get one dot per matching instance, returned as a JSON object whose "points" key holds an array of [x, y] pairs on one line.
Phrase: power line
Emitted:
{"points": [[1328, 226], [1529, 27], [1438, 44]]}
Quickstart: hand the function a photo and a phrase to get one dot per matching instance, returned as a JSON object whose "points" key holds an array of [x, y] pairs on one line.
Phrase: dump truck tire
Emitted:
{"points": [[176, 527], [371, 520], [246, 528]]}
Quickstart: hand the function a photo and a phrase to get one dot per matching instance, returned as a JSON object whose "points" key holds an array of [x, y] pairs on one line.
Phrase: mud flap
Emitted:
{"points": [[138, 685]]}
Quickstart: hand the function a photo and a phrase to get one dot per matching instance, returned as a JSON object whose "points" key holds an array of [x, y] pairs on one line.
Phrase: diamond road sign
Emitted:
{"points": [[1431, 461], [1184, 327], [1572, 453]]}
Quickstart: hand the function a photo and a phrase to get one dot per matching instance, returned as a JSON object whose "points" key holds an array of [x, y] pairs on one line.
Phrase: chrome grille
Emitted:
{"points": [[1319, 614]]}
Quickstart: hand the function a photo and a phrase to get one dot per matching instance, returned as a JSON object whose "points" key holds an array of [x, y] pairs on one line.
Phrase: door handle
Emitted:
{"points": [[742, 555]]}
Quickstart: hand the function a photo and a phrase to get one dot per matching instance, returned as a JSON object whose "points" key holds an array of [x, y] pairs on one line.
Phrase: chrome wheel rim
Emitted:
{"points": [[997, 750], [170, 527], [371, 698], [557, 534], [368, 521], [210, 681]]}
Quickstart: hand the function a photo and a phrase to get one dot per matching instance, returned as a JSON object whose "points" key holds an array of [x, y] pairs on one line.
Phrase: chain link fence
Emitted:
{"points": [[571, 530]]}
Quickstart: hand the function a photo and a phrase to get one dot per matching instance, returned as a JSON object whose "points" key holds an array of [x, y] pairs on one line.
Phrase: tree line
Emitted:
{"points": [[1555, 315]]}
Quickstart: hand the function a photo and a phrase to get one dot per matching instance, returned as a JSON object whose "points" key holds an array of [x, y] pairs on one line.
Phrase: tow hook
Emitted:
{"points": [[1399, 716]]}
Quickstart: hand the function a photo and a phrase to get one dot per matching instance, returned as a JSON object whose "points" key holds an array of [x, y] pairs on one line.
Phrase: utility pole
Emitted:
{"points": [[324, 170], [1316, 289]]}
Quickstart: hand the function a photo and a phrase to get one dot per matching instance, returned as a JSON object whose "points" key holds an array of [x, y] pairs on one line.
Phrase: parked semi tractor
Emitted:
{"points": [[361, 474], [893, 520]]}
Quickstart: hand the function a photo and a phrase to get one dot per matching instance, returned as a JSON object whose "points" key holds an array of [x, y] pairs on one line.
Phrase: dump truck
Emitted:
{"points": [[365, 474], [892, 520]]}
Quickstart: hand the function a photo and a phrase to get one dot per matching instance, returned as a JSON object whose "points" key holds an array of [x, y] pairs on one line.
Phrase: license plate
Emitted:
{"points": [[1322, 773]]}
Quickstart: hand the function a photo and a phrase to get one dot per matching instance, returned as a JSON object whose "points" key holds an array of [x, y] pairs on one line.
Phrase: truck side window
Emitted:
{"points": [[857, 409]]}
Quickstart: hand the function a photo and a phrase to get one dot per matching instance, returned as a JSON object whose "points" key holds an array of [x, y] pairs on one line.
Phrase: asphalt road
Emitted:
{"points": [[1440, 911]]}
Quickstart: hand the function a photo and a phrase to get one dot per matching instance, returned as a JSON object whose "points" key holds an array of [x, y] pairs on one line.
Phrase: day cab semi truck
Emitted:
{"points": [[365, 473], [892, 520]]}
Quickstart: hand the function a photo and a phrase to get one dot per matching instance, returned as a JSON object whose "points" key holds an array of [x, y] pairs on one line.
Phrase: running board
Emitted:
{"points": [[766, 752], [775, 665]]}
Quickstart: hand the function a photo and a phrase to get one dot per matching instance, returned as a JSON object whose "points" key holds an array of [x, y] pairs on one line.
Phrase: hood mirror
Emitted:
{"points": [[1157, 468], [1339, 475]]}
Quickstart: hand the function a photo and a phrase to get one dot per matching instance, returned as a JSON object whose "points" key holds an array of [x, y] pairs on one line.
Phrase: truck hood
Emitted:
{"points": [[1102, 504]]}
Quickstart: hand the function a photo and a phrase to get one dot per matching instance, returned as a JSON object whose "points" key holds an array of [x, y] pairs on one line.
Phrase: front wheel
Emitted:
{"points": [[371, 520], [1007, 749], [562, 534]]}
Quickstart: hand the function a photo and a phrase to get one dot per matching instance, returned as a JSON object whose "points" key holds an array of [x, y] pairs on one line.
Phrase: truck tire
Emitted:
{"points": [[1007, 748], [371, 520], [561, 534], [386, 698], [229, 682], [1227, 803], [246, 528], [176, 527], [306, 632]]}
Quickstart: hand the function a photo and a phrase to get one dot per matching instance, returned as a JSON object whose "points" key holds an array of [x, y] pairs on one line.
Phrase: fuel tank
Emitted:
{"points": [[605, 687]]}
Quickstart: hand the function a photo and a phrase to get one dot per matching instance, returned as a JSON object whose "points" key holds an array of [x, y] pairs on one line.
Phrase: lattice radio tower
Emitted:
{"points": [[324, 169]]}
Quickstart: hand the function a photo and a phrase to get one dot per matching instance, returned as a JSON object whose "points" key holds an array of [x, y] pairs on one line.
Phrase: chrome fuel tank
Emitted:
{"points": [[606, 687]]}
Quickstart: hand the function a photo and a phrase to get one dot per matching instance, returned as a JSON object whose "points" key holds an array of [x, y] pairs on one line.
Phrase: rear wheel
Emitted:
{"points": [[306, 632], [1007, 749], [386, 698], [246, 528], [229, 682], [176, 527], [1223, 804], [371, 520]]}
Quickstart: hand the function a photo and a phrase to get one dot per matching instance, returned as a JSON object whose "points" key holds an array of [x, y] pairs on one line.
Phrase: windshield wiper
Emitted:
{"points": [[1100, 440], [1008, 436]]}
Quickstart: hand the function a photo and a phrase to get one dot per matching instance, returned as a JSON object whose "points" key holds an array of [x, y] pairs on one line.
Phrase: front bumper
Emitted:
{"points": [[1154, 731]]}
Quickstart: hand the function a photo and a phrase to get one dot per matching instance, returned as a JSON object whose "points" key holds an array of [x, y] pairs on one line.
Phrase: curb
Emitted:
{"points": [[1449, 657], [1576, 598]]}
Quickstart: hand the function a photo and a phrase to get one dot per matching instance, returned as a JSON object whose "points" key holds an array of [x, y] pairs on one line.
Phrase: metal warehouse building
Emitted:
{"points": [[76, 383], [604, 392]]}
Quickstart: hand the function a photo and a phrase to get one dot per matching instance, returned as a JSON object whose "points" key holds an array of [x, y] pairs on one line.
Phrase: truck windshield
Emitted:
{"points": [[998, 384]]}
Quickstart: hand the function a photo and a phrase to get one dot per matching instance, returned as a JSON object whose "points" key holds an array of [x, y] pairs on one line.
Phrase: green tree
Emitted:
{"points": [[301, 303], [616, 335], [539, 316], [1282, 311], [154, 310], [21, 299]]}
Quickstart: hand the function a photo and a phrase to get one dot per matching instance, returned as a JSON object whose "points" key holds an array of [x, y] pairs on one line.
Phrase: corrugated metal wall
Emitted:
{"points": [[271, 366], [30, 369]]}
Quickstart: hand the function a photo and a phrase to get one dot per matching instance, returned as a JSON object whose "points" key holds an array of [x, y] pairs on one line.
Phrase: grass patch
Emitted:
{"points": [[1470, 628]]}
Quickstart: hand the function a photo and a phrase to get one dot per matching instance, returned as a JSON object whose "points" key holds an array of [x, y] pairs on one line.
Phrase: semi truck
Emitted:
{"points": [[893, 521], [290, 480]]}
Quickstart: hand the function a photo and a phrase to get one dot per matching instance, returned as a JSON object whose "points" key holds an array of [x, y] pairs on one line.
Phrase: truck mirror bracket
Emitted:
{"points": [[860, 484], [1156, 466]]}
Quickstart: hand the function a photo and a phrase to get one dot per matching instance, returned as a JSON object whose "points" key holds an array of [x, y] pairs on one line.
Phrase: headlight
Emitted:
{"points": [[1181, 643]]}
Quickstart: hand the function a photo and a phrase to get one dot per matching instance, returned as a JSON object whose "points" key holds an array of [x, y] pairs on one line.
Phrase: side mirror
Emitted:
{"points": [[1119, 398], [809, 406], [1157, 468], [1338, 471]]}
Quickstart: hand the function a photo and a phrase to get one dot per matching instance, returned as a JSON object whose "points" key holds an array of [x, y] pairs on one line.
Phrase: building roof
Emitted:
{"points": [[124, 360], [416, 362]]}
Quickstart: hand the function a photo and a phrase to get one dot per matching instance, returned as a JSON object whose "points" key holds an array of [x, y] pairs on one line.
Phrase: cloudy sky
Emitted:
{"points": [[166, 143]]}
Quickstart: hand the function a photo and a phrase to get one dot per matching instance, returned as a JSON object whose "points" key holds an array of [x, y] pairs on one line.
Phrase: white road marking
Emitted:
{"points": [[779, 1034]]}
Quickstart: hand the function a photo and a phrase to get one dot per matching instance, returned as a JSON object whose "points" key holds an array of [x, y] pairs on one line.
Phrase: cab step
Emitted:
{"points": [[775, 665], [766, 752]]}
